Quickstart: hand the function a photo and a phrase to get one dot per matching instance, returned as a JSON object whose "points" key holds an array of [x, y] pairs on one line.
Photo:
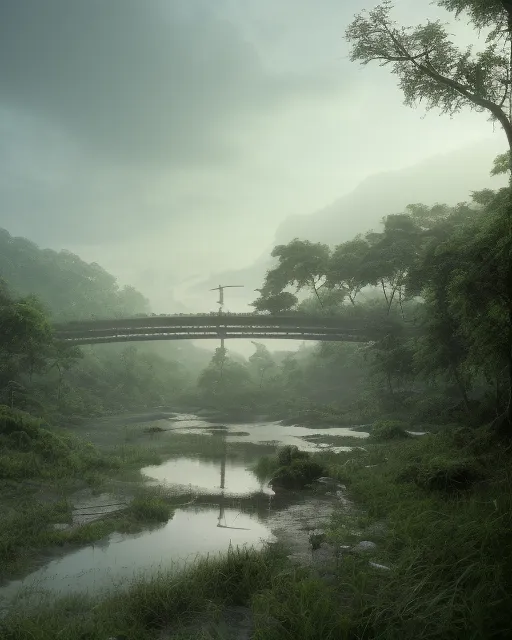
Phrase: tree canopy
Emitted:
{"points": [[431, 69]]}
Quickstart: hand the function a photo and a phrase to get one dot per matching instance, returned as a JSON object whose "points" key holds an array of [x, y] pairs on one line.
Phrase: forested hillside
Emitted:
{"points": [[67, 286], [40, 286]]}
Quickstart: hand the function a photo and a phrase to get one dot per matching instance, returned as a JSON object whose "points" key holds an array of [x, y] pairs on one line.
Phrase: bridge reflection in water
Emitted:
{"points": [[214, 326]]}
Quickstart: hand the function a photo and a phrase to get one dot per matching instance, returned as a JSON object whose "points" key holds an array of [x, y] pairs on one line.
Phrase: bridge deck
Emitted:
{"points": [[214, 326]]}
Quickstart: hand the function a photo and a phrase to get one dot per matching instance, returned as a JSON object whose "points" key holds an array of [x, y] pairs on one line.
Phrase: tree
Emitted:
{"points": [[223, 376], [63, 357], [329, 301], [26, 336], [262, 361], [132, 301], [479, 297], [346, 267], [275, 303], [391, 359], [390, 255], [292, 373], [432, 70], [302, 264]]}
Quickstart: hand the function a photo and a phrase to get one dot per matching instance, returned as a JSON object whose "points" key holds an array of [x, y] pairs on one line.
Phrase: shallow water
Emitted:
{"points": [[206, 477], [232, 507], [120, 558], [263, 432]]}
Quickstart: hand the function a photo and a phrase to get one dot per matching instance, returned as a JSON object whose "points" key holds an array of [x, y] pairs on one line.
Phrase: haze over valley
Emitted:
{"points": [[255, 319]]}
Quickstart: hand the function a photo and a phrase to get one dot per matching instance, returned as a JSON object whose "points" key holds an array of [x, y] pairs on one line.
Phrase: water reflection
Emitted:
{"points": [[119, 557], [231, 507], [227, 476]]}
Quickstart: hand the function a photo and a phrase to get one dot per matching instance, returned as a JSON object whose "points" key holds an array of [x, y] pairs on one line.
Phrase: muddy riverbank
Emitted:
{"points": [[224, 503]]}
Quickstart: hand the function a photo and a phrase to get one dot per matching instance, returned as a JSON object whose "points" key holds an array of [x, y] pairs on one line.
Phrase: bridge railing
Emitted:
{"points": [[205, 321]]}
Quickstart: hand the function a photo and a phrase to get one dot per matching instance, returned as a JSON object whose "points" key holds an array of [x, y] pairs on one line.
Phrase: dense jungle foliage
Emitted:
{"points": [[433, 278]]}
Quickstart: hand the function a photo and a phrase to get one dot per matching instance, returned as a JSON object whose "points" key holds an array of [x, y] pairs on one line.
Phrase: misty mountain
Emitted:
{"points": [[446, 178], [71, 288]]}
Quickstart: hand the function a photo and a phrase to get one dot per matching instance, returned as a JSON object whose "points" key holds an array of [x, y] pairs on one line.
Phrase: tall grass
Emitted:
{"points": [[284, 603], [166, 601], [29, 448], [449, 546]]}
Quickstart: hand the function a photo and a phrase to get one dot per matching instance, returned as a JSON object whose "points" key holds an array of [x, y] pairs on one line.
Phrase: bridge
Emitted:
{"points": [[215, 326]]}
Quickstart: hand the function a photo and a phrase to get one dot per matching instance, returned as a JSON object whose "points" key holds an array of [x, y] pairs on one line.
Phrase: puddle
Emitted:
{"points": [[264, 432], [232, 507], [234, 479], [119, 558]]}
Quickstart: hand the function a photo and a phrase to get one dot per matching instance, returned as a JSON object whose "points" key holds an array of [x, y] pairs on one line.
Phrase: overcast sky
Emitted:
{"points": [[167, 139]]}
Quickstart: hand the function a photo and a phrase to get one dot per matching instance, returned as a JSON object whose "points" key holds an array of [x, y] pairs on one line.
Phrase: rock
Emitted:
{"points": [[364, 546], [323, 557]]}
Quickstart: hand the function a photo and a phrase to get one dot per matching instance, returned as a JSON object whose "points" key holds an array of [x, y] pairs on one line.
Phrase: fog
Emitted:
{"points": [[174, 142]]}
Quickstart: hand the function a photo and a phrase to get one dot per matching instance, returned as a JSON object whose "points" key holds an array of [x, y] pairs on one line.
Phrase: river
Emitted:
{"points": [[231, 506]]}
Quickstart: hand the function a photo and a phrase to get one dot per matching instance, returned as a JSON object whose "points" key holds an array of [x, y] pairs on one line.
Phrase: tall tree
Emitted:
{"points": [[346, 267], [390, 255], [431, 69], [302, 264], [25, 340], [262, 361]]}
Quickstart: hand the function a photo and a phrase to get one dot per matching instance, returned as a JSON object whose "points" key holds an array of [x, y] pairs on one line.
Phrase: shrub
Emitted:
{"points": [[297, 474], [30, 449], [389, 430], [287, 454], [444, 474], [12, 421]]}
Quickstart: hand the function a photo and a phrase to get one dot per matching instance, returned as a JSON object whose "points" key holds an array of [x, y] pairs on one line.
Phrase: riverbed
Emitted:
{"points": [[229, 505]]}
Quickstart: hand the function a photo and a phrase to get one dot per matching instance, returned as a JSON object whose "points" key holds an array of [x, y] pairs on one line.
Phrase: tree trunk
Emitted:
{"points": [[317, 294], [506, 123], [509, 354], [385, 294], [509, 273], [400, 300]]}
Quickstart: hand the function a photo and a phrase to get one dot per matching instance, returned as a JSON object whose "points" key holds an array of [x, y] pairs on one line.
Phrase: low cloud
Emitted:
{"points": [[137, 82]]}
